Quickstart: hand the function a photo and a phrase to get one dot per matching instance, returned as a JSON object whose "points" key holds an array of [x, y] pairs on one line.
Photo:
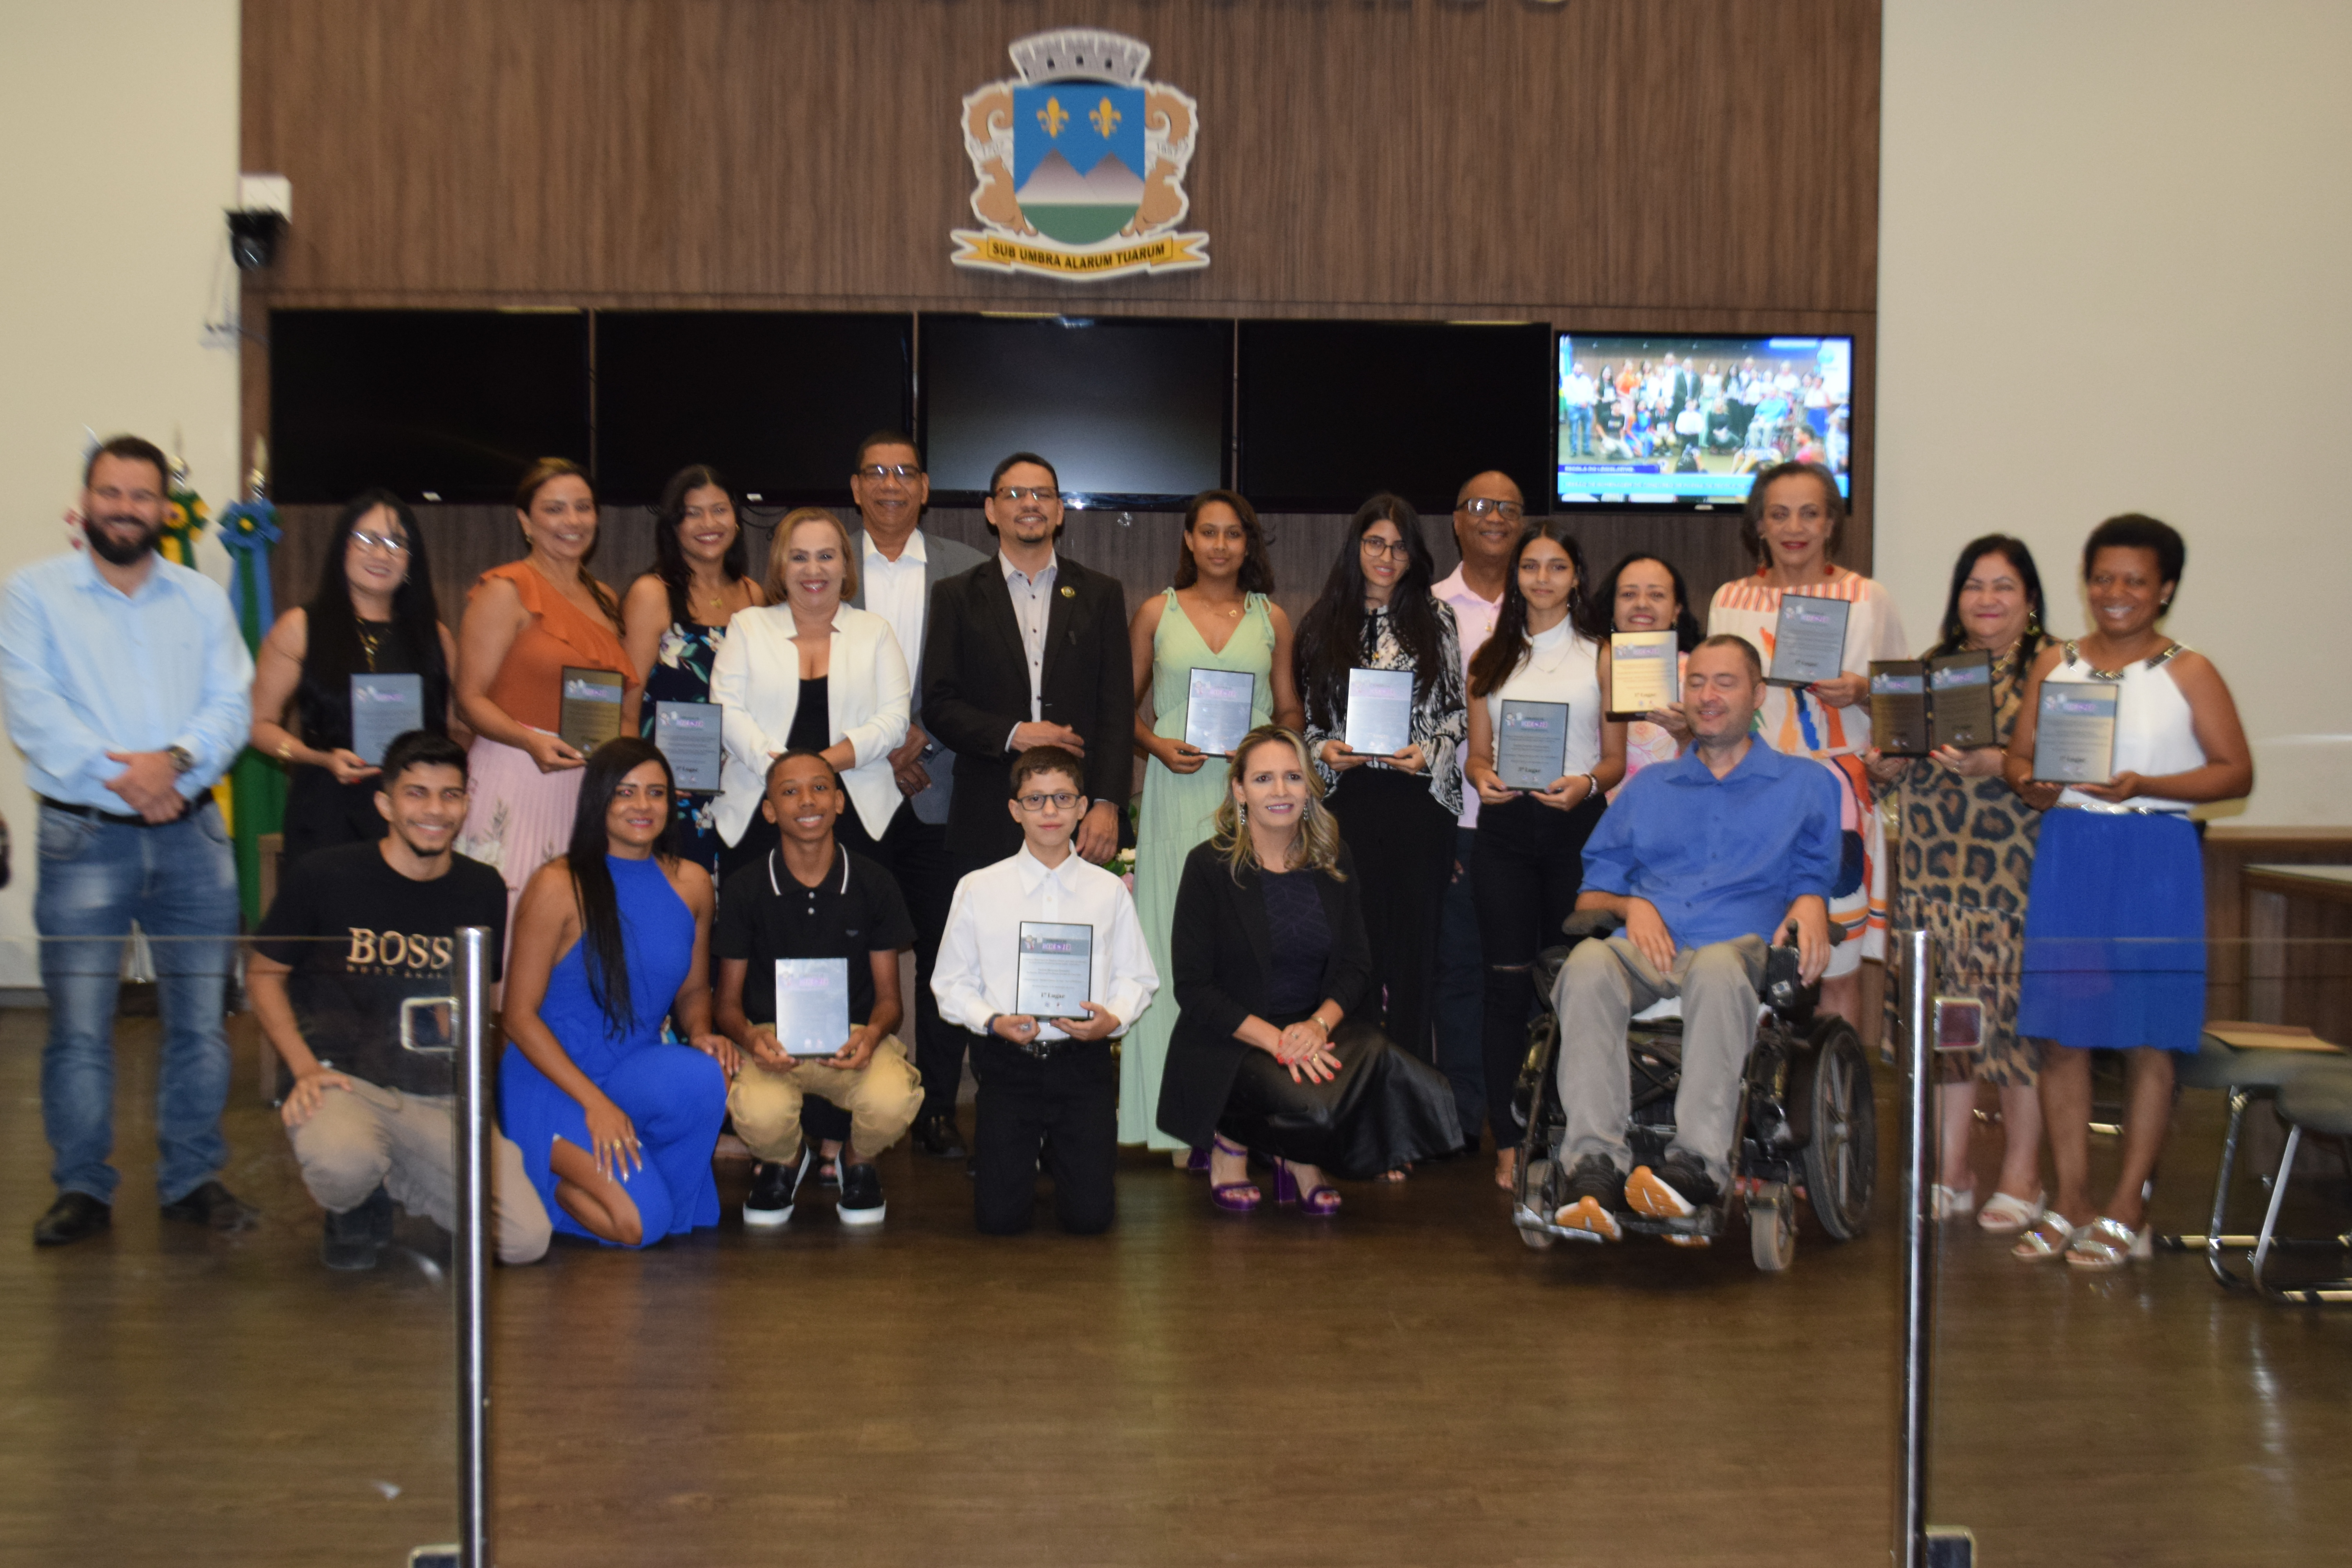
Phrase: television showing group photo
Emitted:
{"points": [[1678, 419]]}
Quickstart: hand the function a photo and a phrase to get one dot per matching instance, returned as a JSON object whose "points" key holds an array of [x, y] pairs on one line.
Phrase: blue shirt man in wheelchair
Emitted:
{"points": [[1705, 859]]}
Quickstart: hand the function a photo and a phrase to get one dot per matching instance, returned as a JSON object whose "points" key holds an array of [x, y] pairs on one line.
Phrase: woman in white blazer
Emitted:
{"points": [[807, 671]]}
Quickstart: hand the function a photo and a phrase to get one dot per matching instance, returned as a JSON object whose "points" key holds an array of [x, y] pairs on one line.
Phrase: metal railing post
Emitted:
{"points": [[1918, 1238], [472, 1270]]}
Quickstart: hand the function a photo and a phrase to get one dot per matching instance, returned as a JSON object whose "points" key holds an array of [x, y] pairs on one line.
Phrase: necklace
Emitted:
{"points": [[371, 640]]}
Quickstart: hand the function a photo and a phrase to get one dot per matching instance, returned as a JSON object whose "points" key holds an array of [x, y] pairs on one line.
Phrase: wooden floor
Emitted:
{"points": [[1407, 1385]]}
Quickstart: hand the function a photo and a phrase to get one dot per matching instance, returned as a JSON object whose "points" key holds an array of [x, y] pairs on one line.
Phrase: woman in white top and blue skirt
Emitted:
{"points": [[2115, 924], [1529, 857]]}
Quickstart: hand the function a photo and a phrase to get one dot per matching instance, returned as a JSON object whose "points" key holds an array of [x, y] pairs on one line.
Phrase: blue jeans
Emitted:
{"points": [[1580, 430], [178, 880], [1462, 991]]}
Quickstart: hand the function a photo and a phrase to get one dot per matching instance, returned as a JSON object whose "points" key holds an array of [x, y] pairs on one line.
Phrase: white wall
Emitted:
{"points": [[119, 119], [2115, 275]]}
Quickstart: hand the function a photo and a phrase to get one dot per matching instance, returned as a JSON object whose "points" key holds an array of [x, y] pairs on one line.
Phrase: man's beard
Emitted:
{"points": [[113, 549]]}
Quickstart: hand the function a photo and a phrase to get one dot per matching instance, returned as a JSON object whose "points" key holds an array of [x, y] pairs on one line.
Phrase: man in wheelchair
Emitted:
{"points": [[1705, 859]]}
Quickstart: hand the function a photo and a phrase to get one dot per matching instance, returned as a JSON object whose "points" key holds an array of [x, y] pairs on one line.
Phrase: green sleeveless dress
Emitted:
{"points": [[1177, 809]]}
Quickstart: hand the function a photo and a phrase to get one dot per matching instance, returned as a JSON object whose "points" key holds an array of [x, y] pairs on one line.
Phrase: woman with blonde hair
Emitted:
{"points": [[1274, 1049]]}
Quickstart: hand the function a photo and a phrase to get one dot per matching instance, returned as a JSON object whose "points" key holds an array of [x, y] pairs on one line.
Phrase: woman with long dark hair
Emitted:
{"points": [[371, 613], [525, 624], [674, 618], [1376, 612], [1645, 592], [1529, 861], [1968, 859], [1219, 615], [616, 1127]]}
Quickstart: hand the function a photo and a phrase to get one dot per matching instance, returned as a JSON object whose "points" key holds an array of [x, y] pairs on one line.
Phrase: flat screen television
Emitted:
{"points": [[448, 405], [1674, 419], [775, 400], [1332, 413], [1131, 411]]}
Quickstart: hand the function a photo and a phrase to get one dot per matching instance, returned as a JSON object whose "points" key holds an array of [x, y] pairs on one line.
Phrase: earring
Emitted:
{"points": [[1241, 814]]}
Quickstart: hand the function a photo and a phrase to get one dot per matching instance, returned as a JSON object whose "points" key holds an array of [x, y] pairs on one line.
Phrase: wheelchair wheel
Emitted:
{"points": [[1842, 1158], [1772, 1229], [1535, 1182]]}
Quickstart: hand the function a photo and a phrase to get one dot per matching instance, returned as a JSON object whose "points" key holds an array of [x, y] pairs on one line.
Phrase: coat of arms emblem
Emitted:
{"points": [[1080, 162]]}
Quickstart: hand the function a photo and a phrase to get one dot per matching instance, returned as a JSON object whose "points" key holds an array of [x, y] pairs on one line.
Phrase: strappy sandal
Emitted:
{"points": [[2105, 1245], [1234, 1198], [1321, 1201], [2049, 1238], [2005, 1214]]}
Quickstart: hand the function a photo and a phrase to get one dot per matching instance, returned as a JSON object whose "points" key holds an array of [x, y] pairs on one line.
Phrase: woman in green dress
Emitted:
{"points": [[1220, 614]]}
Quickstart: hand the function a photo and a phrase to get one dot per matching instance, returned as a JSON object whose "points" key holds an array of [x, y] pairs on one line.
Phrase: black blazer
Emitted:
{"points": [[976, 688], [1222, 955]]}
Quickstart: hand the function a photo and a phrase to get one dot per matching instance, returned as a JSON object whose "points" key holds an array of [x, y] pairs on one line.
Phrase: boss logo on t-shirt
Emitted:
{"points": [[397, 950]]}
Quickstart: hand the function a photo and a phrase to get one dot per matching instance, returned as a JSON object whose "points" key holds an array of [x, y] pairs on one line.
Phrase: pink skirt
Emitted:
{"points": [[517, 819]]}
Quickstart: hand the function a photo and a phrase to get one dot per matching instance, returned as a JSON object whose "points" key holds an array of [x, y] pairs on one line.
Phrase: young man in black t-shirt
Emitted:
{"points": [[809, 897], [369, 1120]]}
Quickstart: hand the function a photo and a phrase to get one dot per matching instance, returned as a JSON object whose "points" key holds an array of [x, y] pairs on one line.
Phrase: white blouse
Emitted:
{"points": [[2156, 733], [1561, 666]]}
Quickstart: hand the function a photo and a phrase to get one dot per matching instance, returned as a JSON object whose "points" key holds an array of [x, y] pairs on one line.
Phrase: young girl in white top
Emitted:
{"points": [[1529, 860]]}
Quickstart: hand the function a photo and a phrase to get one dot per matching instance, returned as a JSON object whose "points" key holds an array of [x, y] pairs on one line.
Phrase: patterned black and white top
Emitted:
{"points": [[1439, 718]]}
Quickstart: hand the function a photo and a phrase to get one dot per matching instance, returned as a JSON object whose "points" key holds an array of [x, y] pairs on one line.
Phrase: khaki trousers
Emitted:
{"points": [[365, 1136], [881, 1098]]}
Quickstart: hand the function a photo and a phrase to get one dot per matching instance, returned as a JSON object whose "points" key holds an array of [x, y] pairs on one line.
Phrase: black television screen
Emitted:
{"points": [[447, 406], [1132, 411], [1335, 412], [775, 400], [1672, 420]]}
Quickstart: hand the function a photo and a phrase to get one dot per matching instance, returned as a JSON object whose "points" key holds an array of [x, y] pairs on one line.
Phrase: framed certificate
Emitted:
{"points": [[1809, 642], [1217, 709], [1055, 971], [1641, 673], [384, 707], [1960, 688], [591, 711], [1379, 711], [1898, 707], [1531, 744], [811, 1006], [2074, 731], [688, 735]]}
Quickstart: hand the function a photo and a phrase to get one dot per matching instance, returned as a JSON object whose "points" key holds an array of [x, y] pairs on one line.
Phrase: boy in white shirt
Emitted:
{"points": [[1045, 1084]]}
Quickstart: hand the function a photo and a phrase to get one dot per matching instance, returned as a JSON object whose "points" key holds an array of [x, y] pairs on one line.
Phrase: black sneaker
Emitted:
{"points": [[72, 1217], [774, 1188], [938, 1136], [215, 1205], [1593, 1198], [861, 1195], [1677, 1189], [355, 1239]]}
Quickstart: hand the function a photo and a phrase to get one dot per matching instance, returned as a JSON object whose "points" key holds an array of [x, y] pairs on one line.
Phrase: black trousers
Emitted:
{"points": [[1065, 1106], [1525, 870], [1403, 845]]}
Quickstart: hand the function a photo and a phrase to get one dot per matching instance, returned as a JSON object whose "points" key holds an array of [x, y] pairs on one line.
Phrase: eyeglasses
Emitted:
{"points": [[390, 543], [1479, 506], [1060, 801], [1028, 493], [905, 473], [1382, 547]]}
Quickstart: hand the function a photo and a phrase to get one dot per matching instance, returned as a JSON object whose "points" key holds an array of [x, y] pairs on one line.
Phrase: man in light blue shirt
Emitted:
{"points": [[1706, 858], [126, 685]]}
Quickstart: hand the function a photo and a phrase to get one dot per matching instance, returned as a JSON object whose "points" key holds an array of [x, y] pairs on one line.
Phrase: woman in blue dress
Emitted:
{"points": [[616, 1126], [675, 619]]}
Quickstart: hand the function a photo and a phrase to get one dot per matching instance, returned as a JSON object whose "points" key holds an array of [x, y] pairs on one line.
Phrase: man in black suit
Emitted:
{"points": [[1029, 648]]}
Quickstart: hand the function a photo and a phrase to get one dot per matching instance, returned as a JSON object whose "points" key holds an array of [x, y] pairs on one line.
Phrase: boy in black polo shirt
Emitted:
{"points": [[809, 897]]}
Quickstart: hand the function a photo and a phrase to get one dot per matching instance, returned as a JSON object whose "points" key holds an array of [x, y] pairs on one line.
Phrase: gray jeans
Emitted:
{"points": [[365, 1136], [1603, 984]]}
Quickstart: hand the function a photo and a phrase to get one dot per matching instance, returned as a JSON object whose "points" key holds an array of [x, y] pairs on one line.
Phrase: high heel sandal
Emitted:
{"points": [[1234, 1198], [2105, 1245], [1321, 1201]]}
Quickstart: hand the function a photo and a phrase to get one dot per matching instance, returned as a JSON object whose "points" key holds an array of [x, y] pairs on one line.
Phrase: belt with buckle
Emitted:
{"points": [[117, 819]]}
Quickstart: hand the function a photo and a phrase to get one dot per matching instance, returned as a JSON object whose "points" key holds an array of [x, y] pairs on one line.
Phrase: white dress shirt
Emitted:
{"points": [[894, 591], [975, 978], [1033, 605]]}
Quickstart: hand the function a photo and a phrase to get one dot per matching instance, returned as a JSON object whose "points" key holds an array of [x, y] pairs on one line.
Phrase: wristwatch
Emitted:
{"points": [[182, 758]]}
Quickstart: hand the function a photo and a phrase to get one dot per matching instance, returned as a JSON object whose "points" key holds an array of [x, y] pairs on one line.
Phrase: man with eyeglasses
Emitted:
{"points": [[899, 566], [1489, 514]]}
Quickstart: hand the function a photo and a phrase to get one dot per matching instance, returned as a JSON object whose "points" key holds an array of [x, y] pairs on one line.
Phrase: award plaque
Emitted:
{"points": [[1641, 673], [811, 1006], [2074, 731], [590, 713], [687, 734], [1379, 711], [1898, 707], [1055, 970], [1531, 744], [1808, 643], [383, 706], [1217, 709], [1960, 687]]}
